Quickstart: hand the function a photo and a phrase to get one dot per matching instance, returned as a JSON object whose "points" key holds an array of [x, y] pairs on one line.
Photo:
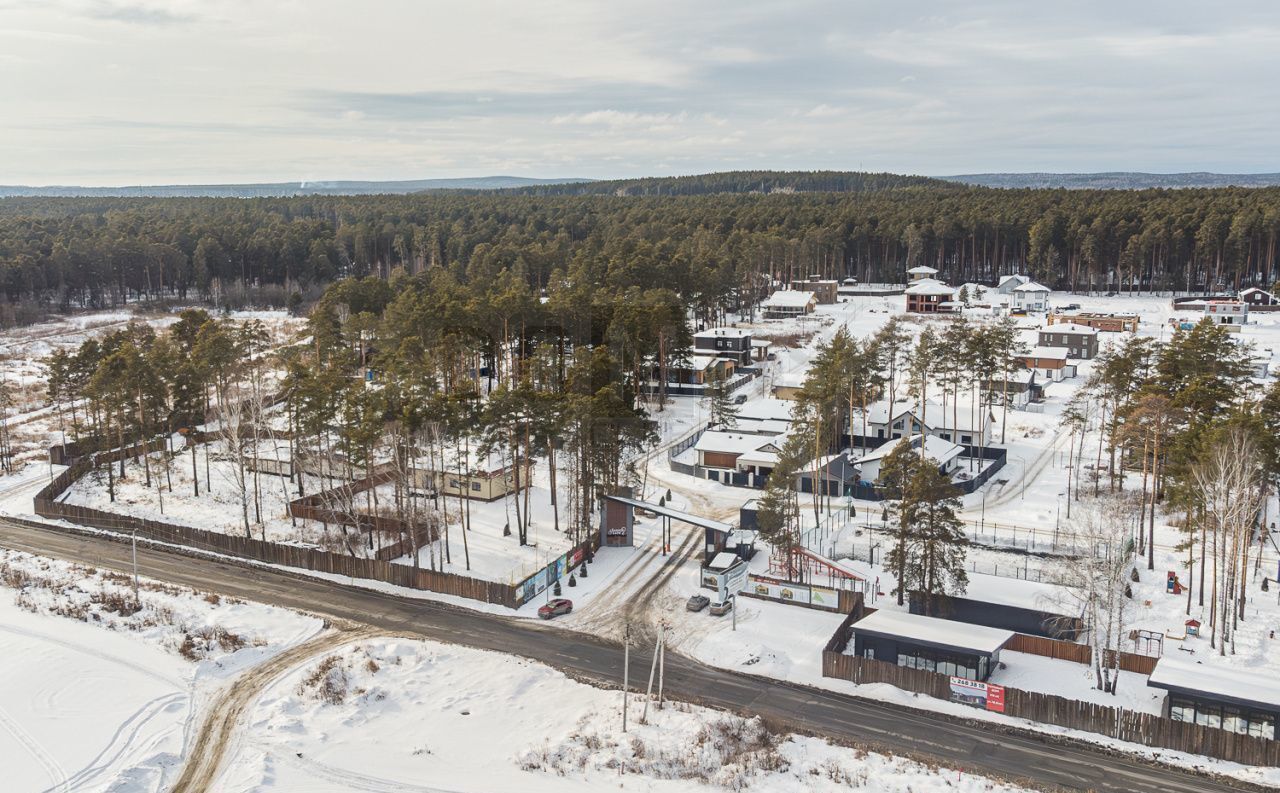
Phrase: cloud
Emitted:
{"points": [[171, 90], [824, 111], [160, 15], [616, 118]]}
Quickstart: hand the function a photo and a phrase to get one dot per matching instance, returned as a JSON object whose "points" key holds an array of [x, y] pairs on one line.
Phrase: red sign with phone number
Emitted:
{"points": [[995, 698]]}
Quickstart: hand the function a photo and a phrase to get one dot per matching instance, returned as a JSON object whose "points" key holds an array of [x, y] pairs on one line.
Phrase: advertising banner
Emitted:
{"points": [[979, 695], [822, 596]]}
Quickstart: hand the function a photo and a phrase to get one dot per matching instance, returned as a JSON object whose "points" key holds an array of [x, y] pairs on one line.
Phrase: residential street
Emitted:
{"points": [[981, 747]]}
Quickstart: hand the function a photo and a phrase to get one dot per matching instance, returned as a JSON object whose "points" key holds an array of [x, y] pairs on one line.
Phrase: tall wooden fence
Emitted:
{"points": [[1078, 653], [47, 505], [1125, 725]]}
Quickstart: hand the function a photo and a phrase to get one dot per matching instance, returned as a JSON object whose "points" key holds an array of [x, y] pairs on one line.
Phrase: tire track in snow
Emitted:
{"points": [[217, 734], [43, 758]]}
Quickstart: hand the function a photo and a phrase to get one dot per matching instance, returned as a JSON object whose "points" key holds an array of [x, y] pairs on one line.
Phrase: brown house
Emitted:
{"points": [[930, 297], [824, 291]]}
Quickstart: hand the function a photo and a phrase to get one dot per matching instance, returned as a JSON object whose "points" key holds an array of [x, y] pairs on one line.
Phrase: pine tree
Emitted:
{"points": [[720, 407], [929, 541]]}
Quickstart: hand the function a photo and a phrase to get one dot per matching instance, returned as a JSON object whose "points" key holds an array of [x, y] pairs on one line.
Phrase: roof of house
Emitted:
{"points": [[1253, 289], [1256, 686], [766, 409], [723, 333], [727, 442], [921, 269], [1032, 286], [1019, 593], [761, 426], [1021, 279], [700, 360], [1053, 353], [928, 286], [789, 298], [1018, 376], [790, 379], [878, 412], [935, 448], [934, 631], [961, 415], [1068, 327]]}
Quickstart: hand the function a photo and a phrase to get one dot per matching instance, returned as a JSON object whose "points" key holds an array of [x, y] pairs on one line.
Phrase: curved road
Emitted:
{"points": [[985, 748]]}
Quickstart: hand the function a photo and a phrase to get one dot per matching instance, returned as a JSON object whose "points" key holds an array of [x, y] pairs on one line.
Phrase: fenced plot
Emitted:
{"points": [[1126, 725]]}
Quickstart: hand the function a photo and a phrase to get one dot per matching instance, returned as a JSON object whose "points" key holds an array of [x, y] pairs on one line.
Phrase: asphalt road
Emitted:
{"points": [[982, 747]]}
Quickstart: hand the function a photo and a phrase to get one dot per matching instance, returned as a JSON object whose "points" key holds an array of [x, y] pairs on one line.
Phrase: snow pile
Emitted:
{"points": [[222, 634], [388, 713]]}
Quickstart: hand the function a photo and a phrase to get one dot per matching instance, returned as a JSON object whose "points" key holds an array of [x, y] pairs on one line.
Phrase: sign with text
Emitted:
{"points": [[977, 694]]}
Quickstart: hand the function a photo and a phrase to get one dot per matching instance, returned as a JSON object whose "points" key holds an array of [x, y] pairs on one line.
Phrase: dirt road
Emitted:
{"points": [[215, 739]]}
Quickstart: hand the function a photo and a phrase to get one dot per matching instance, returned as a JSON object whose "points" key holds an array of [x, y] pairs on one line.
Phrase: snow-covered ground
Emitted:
{"points": [[394, 714], [95, 695]]}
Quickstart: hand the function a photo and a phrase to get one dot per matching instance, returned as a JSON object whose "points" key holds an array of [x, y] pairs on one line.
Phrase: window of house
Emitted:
{"points": [[455, 484], [475, 486], [966, 439], [1209, 716]]}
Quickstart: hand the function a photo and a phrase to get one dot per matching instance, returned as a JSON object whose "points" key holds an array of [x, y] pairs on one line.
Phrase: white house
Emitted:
{"points": [[883, 420], [1030, 296], [1050, 363], [789, 303], [943, 453], [959, 423], [720, 451], [1232, 314], [1010, 283]]}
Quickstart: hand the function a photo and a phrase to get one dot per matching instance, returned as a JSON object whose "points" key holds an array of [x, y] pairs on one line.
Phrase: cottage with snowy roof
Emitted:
{"points": [[1031, 296]]}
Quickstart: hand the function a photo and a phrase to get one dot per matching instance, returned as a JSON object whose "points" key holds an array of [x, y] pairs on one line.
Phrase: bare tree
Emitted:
{"points": [[1230, 484], [1095, 585]]}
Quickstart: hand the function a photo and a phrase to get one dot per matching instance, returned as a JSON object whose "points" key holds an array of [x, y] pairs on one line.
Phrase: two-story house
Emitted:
{"points": [[732, 343], [1080, 341]]}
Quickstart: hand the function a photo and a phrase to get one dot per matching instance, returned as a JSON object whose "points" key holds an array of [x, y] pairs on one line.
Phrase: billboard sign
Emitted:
{"points": [[977, 694]]}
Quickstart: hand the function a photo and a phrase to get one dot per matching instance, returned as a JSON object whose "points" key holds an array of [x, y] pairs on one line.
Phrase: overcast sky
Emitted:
{"points": [[106, 92]]}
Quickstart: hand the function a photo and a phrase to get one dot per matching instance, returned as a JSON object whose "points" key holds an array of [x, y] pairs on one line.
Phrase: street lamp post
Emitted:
{"points": [[1057, 517]]}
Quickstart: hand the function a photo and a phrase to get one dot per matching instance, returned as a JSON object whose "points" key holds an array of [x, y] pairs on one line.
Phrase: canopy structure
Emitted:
{"points": [[667, 512]]}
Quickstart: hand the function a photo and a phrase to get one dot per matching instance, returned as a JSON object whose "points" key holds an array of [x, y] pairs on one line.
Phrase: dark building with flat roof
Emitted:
{"points": [[1237, 700], [929, 643]]}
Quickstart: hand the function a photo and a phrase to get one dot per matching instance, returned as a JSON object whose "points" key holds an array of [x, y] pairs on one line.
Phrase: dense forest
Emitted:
{"points": [[718, 251]]}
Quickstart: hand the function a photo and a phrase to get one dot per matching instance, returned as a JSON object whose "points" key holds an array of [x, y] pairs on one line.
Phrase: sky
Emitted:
{"points": [[115, 92]]}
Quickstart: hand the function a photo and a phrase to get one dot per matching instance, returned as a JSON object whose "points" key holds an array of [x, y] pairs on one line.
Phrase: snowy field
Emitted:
{"points": [[396, 714], [98, 696]]}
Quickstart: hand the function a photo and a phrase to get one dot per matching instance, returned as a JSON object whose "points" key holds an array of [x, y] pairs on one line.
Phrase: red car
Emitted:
{"points": [[555, 608]]}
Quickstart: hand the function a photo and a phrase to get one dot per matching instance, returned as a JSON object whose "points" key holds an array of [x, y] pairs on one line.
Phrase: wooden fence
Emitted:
{"points": [[46, 505], [1125, 725], [1078, 653]]}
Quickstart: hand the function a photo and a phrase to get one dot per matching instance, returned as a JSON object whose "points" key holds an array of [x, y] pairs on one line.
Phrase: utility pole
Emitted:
{"points": [[662, 659], [653, 667], [626, 672], [135, 567]]}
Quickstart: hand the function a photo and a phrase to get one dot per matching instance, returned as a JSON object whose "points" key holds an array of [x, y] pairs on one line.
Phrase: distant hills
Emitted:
{"points": [[741, 182], [1118, 180], [275, 189], [698, 184]]}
